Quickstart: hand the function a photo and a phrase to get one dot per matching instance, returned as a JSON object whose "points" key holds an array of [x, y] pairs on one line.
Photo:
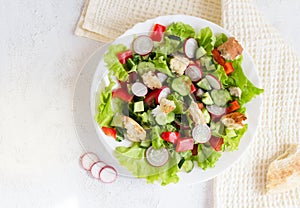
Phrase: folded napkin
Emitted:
{"points": [[242, 185]]}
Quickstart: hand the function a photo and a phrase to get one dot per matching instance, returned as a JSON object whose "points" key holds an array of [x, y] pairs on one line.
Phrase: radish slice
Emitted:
{"points": [[88, 159], [96, 168], [157, 157], [162, 77], [201, 133], [190, 47], [194, 72], [165, 91], [213, 81], [108, 174], [216, 110], [142, 45], [139, 89]]}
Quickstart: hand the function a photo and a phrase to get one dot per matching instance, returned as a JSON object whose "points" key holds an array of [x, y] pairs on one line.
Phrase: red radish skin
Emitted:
{"points": [[142, 45], [122, 94], [194, 72], [163, 93], [108, 174], [96, 168], [156, 95], [87, 160], [184, 144], [133, 76], [189, 48], [214, 82]]}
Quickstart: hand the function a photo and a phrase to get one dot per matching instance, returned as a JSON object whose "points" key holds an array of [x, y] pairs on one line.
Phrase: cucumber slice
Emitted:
{"points": [[161, 119], [188, 165], [170, 117], [144, 67], [200, 52], [206, 115], [117, 121], [145, 144], [220, 97], [206, 99], [204, 84], [138, 106], [182, 85]]}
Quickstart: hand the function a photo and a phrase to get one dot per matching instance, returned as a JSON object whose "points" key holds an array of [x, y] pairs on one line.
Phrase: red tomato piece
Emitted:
{"points": [[123, 56], [216, 143], [158, 32], [233, 106], [170, 136], [109, 131], [218, 58]]}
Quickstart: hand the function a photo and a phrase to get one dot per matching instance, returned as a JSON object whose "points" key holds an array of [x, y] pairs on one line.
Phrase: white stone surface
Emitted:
{"points": [[40, 59]]}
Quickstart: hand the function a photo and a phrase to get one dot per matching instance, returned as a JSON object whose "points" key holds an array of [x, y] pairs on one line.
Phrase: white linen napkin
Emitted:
{"points": [[243, 184]]}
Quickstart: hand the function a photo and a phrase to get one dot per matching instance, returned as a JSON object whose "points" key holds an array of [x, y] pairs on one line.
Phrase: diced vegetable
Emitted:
{"points": [[123, 56], [163, 93], [206, 115], [216, 110], [220, 97], [193, 88], [228, 68], [233, 106], [206, 99], [218, 58], [188, 165], [170, 136], [184, 144], [138, 106], [200, 52], [214, 82], [122, 94], [216, 143], [204, 84], [109, 131], [158, 32]]}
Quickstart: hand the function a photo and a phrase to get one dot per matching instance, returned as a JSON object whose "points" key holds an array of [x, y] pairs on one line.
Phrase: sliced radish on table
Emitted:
{"points": [[162, 77], [108, 174], [139, 89], [194, 72], [96, 168], [142, 45], [214, 82], [157, 157], [201, 133], [216, 110], [88, 159], [190, 47]]}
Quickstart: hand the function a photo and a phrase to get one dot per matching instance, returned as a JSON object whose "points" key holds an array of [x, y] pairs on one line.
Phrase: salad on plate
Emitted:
{"points": [[178, 96]]}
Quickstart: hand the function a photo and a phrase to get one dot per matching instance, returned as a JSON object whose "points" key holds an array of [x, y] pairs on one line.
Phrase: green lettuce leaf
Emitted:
{"points": [[133, 158], [157, 141], [239, 79], [206, 39], [168, 47], [207, 156], [161, 65], [220, 39], [181, 30], [113, 63], [232, 143], [105, 109]]}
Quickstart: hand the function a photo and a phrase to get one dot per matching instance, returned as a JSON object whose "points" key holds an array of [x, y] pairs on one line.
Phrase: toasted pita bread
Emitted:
{"points": [[284, 172]]}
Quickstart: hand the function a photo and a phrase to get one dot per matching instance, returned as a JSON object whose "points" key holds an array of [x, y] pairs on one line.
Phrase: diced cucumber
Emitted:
{"points": [[170, 117], [206, 61], [145, 144], [200, 52], [204, 84], [211, 67], [220, 97], [144, 67], [206, 115], [138, 106], [182, 85], [161, 119], [188, 165], [230, 133], [216, 128], [117, 121], [206, 99]]}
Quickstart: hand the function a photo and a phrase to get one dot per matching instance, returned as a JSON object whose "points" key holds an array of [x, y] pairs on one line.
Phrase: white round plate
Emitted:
{"points": [[253, 108]]}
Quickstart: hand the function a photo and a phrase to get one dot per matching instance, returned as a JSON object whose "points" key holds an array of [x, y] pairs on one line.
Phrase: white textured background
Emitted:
{"points": [[40, 59]]}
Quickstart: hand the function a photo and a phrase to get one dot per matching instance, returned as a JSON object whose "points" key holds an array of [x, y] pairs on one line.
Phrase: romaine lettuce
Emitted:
{"points": [[113, 63], [206, 39], [181, 30], [207, 156], [232, 143]]}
